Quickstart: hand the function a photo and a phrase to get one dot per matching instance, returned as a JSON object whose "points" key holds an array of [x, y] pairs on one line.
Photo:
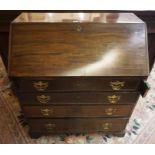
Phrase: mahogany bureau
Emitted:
{"points": [[78, 72]]}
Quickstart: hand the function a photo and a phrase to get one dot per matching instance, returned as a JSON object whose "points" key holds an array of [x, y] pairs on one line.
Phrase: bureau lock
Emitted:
{"points": [[40, 85], [113, 99], [110, 111], [43, 99], [50, 126], [46, 112], [79, 28], [106, 126], [117, 85]]}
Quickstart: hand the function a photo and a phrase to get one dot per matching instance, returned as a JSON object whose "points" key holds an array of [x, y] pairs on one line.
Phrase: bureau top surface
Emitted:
{"points": [[77, 17], [111, 46]]}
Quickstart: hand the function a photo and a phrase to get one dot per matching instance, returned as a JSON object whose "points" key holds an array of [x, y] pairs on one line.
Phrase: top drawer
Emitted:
{"points": [[76, 84]]}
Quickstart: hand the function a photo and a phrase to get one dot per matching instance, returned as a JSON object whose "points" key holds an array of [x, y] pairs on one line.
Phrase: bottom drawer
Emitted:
{"points": [[77, 125]]}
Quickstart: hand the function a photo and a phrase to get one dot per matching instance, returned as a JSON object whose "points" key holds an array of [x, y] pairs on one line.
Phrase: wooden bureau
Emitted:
{"points": [[78, 72]]}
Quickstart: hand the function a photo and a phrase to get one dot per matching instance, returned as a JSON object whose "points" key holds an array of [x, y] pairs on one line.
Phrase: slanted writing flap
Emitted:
{"points": [[81, 48]]}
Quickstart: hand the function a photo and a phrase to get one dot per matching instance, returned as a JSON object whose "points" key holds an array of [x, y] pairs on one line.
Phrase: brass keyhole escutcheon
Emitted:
{"points": [[40, 85], [113, 98], [46, 111], [110, 111], [106, 126], [79, 28], [117, 85], [50, 126], [43, 99]]}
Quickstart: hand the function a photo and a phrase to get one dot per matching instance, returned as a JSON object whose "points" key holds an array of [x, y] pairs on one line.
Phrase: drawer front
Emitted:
{"points": [[79, 98], [77, 111], [77, 125], [77, 84]]}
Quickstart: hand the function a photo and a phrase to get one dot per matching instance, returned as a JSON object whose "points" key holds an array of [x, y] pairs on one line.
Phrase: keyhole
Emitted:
{"points": [[79, 28]]}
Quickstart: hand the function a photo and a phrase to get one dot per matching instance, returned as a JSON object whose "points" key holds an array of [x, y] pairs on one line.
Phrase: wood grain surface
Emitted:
{"points": [[78, 48], [62, 84], [72, 111], [93, 98], [77, 125]]}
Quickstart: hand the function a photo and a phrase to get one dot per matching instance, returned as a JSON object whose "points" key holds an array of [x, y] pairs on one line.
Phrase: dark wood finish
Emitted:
{"points": [[143, 88], [4, 45], [67, 111], [76, 84], [36, 135], [7, 16], [77, 125], [77, 72], [151, 46], [78, 98], [84, 52]]}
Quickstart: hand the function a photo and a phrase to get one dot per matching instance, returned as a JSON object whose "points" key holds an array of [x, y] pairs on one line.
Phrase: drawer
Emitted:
{"points": [[76, 84], [79, 98], [78, 111], [77, 125]]}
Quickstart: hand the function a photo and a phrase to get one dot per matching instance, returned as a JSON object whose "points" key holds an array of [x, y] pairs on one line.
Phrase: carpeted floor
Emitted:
{"points": [[140, 129]]}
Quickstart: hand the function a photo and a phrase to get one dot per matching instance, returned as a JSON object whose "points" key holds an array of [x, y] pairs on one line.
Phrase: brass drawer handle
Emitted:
{"points": [[110, 111], [46, 112], [50, 126], [43, 98], [113, 98], [117, 85], [79, 28], [106, 126], [40, 85]]}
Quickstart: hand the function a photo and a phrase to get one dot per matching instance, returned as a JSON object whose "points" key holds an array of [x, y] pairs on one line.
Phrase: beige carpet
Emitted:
{"points": [[140, 129]]}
